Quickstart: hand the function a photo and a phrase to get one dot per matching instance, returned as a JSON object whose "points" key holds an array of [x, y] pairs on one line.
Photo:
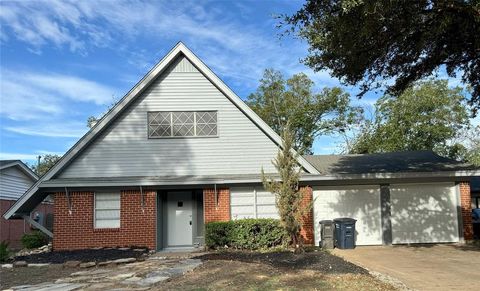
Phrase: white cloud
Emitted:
{"points": [[33, 95], [51, 129], [233, 47], [31, 158], [17, 156]]}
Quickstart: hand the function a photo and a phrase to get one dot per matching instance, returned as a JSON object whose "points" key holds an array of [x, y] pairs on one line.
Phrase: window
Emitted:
{"points": [[182, 124], [107, 210]]}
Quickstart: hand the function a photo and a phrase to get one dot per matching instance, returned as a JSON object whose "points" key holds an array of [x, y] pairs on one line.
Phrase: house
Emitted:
{"points": [[181, 149], [15, 179]]}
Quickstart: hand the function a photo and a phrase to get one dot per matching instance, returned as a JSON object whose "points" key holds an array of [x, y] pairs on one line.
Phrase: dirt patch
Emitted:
{"points": [[239, 275], [89, 255], [321, 261], [32, 275]]}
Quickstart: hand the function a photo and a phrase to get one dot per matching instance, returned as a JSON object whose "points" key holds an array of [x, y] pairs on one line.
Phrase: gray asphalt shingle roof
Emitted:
{"points": [[6, 162], [408, 161]]}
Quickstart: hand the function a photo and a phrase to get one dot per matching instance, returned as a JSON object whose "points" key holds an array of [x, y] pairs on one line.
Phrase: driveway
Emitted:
{"points": [[423, 267]]}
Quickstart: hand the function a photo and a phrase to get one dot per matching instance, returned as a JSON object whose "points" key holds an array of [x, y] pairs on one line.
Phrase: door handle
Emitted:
{"points": [[190, 222]]}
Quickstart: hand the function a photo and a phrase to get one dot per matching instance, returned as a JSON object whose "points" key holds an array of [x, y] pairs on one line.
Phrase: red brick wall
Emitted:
{"points": [[76, 231], [466, 203], [216, 211], [307, 229], [12, 230]]}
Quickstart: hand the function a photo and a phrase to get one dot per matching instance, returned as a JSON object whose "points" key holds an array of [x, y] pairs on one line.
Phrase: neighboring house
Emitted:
{"points": [[15, 179], [181, 149]]}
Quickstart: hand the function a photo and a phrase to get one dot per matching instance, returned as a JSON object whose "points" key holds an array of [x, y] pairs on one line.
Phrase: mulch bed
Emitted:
{"points": [[317, 260], [88, 255]]}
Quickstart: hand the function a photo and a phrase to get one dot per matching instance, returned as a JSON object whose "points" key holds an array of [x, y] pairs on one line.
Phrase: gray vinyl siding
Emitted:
{"points": [[13, 183], [124, 149]]}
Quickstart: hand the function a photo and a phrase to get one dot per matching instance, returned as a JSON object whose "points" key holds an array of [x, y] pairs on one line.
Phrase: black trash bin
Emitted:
{"points": [[326, 234], [344, 233]]}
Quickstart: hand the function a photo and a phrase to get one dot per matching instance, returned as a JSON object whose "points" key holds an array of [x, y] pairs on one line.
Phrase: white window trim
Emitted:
{"points": [[194, 125], [95, 210]]}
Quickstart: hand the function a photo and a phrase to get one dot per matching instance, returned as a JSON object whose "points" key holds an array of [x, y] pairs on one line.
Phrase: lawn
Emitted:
{"points": [[275, 271], [225, 270]]}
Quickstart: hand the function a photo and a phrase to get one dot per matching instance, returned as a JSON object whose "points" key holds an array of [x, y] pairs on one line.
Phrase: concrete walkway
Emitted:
{"points": [[425, 267]]}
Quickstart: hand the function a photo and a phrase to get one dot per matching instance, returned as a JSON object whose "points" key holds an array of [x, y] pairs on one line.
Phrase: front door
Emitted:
{"points": [[179, 218]]}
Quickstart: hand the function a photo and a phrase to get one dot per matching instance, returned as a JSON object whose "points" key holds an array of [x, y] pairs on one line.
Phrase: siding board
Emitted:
{"points": [[124, 149], [13, 183]]}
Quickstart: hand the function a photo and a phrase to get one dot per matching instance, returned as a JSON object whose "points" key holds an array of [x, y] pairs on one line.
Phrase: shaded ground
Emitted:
{"points": [[422, 267], [89, 255], [317, 261], [239, 275], [32, 275]]}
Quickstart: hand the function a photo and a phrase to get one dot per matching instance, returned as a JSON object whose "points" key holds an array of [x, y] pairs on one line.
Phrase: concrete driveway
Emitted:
{"points": [[422, 267]]}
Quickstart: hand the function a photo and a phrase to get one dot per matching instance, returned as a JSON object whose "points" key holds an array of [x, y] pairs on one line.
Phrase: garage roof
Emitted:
{"points": [[407, 161]]}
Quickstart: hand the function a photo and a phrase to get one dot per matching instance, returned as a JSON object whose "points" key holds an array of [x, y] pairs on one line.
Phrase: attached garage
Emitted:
{"points": [[396, 198], [424, 213], [420, 213], [359, 202]]}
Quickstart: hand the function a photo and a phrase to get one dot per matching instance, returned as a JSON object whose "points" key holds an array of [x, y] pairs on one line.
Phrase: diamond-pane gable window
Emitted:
{"points": [[183, 123], [159, 124], [206, 123], [163, 124]]}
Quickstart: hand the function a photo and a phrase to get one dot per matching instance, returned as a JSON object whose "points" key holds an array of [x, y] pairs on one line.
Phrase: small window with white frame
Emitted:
{"points": [[163, 124], [107, 210]]}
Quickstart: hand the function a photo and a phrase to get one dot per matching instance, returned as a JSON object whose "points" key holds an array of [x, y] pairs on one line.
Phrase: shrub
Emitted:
{"points": [[4, 251], [251, 234], [34, 239]]}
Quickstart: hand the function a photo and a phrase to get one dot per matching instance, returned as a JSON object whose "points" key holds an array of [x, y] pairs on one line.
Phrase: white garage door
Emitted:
{"points": [[359, 202], [424, 213], [252, 202]]}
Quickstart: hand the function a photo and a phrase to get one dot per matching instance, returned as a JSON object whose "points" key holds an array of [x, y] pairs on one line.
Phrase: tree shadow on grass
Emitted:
{"points": [[318, 261]]}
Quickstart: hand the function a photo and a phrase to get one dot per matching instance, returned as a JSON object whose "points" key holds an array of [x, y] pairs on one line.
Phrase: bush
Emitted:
{"points": [[251, 234], [4, 251], [35, 239]]}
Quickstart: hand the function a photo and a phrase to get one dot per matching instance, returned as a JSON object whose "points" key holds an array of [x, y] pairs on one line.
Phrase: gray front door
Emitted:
{"points": [[179, 218]]}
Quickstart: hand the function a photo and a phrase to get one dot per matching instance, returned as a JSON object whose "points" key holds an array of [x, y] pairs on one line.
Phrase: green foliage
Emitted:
{"points": [[288, 195], [427, 116], [91, 121], [4, 251], [310, 114], [35, 239], [46, 163], [250, 234], [367, 42]]}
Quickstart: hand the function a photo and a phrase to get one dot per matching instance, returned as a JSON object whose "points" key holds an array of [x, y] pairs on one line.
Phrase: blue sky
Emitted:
{"points": [[62, 61]]}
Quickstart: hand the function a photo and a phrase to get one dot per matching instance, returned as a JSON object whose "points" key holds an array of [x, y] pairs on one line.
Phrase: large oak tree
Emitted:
{"points": [[426, 116], [365, 42], [309, 113]]}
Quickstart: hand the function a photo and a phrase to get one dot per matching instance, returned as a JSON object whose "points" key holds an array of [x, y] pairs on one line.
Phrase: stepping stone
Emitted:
{"points": [[121, 276], [7, 266], [71, 264], [152, 280], [125, 261], [106, 263], [19, 264], [93, 272], [38, 265], [87, 265]]}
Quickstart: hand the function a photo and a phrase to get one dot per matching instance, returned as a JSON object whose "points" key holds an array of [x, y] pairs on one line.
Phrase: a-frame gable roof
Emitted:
{"points": [[107, 119], [4, 164]]}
